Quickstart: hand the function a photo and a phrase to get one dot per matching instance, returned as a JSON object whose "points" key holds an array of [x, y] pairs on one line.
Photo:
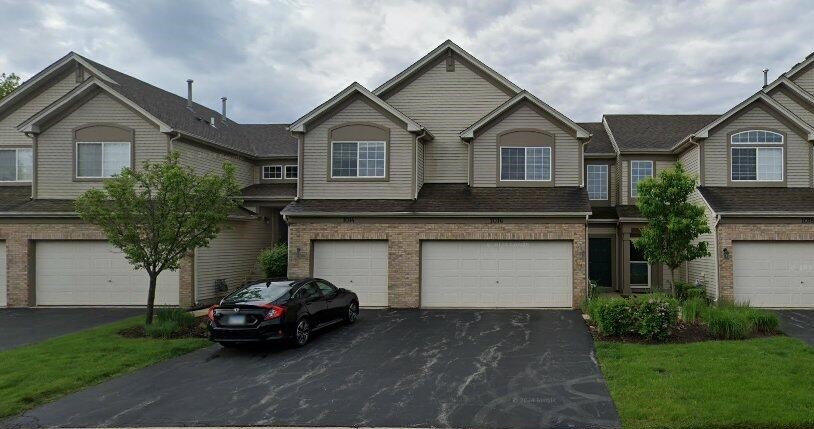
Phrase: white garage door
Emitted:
{"points": [[495, 274], [3, 289], [94, 273], [774, 273], [358, 265]]}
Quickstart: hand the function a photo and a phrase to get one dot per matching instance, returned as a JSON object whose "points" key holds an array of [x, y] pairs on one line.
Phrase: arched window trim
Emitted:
{"points": [[738, 138]]}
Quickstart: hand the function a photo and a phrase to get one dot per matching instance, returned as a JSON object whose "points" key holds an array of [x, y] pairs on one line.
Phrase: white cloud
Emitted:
{"points": [[277, 60]]}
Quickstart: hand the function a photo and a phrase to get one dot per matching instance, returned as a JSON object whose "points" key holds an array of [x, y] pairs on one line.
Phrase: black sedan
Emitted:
{"points": [[280, 310]]}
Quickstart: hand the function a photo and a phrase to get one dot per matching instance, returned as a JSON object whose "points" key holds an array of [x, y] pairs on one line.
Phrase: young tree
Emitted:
{"points": [[158, 214], [673, 223], [8, 83]]}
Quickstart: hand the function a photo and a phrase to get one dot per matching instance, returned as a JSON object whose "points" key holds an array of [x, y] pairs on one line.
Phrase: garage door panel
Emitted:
{"points": [[774, 273], [488, 274], [358, 265], [94, 273]]}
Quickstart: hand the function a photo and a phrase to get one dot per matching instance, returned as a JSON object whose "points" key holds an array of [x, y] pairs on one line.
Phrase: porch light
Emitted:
{"points": [[726, 253]]}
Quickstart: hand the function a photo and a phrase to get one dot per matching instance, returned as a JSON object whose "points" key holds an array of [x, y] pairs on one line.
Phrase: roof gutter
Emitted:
{"points": [[438, 214], [766, 214]]}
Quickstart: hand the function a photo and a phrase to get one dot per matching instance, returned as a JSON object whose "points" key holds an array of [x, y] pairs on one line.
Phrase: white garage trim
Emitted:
{"points": [[357, 265], [94, 273], [774, 274], [496, 274], [3, 265]]}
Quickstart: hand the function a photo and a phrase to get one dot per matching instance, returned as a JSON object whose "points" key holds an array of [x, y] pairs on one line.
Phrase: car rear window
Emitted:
{"points": [[259, 292]]}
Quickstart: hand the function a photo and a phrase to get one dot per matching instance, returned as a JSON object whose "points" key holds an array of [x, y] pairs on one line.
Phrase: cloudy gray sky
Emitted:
{"points": [[276, 60]]}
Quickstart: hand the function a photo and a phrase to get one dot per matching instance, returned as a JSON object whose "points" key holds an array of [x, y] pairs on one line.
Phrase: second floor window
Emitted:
{"points": [[597, 180], [99, 160], [290, 171], [16, 165], [525, 163], [756, 156], [639, 170], [358, 159], [272, 172]]}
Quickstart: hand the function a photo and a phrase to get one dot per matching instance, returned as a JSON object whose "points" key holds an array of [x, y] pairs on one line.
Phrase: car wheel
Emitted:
{"points": [[353, 313], [302, 333]]}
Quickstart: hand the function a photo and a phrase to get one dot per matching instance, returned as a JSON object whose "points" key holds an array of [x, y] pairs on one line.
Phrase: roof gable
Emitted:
{"points": [[523, 96], [793, 87], [760, 96], [652, 133], [439, 52], [797, 68], [300, 125]]}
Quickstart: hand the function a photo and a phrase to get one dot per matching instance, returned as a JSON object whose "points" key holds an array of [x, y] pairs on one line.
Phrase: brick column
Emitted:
{"points": [[20, 271], [299, 251], [186, 281], [404, 270]]}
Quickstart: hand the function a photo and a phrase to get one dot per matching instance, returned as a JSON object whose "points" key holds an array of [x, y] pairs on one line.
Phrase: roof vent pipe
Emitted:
{"points": [[189, 93], [765, 78], [223, 109]]}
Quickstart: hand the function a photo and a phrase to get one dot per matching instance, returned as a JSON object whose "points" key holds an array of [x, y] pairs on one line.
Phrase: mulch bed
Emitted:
{"points": [[682, 334], [197, 331]]}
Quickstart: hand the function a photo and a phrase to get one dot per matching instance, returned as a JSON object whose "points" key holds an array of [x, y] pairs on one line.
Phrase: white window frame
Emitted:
{"points": [[525, 170], [782, 138], [652, 174], [605, 170], [757, 164], [357, 176], [76, 161], [17, 164], [649, 273], [285, 171], [270, 169]]}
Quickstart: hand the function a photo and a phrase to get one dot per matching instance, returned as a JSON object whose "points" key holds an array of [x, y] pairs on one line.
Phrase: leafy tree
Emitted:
{"points": [[8, 83], [158, 214], [674, 223]]}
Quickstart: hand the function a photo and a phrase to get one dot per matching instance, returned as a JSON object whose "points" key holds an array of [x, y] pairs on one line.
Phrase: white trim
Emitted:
{"points": [[606, 172], [652, 174], [469, 133], [17, 164], [757, 164], [285, 171], [799, 66], [703, 133], [272, 167], [525, 158], [101, 167], [357, 176], [782, 138], [299, 125], [432, 55]]}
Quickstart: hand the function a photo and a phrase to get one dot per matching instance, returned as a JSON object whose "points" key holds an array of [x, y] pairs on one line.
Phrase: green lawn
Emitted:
{"points": [[42, 372], [760, 383]]}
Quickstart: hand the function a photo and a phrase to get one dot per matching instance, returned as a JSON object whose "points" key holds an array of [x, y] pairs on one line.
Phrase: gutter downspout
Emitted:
{"points": [[717, 274], [587, 272], [418, 141], [171, 145], [582, 162], [34, 142]]}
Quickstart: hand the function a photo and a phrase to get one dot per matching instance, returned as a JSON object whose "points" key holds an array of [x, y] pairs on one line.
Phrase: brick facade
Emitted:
{"points": [[404, 247], [727, 233], [20, 241]]}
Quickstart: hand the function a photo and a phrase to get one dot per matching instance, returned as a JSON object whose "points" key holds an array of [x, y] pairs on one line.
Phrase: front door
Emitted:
{"points": [[600, 261]]}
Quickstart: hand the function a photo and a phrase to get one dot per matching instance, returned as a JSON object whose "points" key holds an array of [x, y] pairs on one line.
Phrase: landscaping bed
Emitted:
{"points": [[170, 324]]}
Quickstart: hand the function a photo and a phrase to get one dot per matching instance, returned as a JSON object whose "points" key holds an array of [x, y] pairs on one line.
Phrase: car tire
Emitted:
{"points": [[352, 313], [302, 332]]}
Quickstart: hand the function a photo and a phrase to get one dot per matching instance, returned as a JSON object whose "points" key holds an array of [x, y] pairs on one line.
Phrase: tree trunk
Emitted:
{"points": [[151, 298]]}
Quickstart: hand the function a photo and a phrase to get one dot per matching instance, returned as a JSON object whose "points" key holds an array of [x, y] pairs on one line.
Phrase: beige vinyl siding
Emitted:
{"points": [[794, 104], [55, 165], [691, 160], [9, 136], [257, 174], [624, 182], [797, 150], [231, 256], [806, 79], [566, 148], [446, 103], [617, 183], [203, 160], [702, 270], [612, 185], [316, 183]]}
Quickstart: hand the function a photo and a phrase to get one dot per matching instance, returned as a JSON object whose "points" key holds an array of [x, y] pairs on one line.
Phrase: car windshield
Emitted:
{"points": [[259, 292]]}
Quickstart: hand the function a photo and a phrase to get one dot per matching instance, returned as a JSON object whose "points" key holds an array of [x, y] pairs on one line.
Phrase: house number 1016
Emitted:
{"points": [[495, 220]]}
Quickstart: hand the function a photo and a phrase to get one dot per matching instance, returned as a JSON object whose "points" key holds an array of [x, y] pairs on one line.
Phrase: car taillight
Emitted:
{"points": [[273, 312], [211, 313]]}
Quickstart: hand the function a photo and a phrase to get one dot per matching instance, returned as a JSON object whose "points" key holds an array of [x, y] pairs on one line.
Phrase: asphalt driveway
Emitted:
{"points": [[21, 326], [476, 369], [798, 324]]}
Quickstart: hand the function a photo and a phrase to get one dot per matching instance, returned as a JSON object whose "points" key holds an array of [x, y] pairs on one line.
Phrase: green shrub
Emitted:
{"points": [[183, 319], [685, 291], [691, 309], [728, 322], [274, 261], [613, 316], [656, 316], [764, 321], [165, 329]]}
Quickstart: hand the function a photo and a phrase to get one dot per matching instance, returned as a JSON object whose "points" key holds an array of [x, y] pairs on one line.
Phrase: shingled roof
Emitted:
{"points": [[759, 200], [654, 132], [600, 142]]}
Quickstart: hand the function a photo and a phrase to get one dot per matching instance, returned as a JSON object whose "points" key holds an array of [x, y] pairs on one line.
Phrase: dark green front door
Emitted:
{"points": [[600, 261]]}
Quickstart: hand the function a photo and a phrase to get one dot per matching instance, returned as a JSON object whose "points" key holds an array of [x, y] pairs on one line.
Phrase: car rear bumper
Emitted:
{"points": [[262, 332]]}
